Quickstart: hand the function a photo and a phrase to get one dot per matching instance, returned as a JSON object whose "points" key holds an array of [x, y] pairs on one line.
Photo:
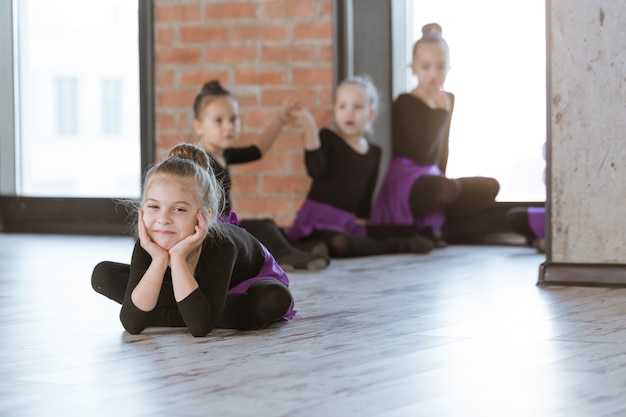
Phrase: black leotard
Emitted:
{"points": [[342, 177], [232, 156], [224, 262], [420, 133]]}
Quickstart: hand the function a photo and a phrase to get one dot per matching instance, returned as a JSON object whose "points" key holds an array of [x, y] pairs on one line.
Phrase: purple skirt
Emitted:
{"points": [[270, 271], [231, 218], [537, 221], [392, 204], [314, 216]]}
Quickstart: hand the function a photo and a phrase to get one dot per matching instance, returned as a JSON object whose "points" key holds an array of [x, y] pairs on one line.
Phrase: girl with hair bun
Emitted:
{"points": [[415, 190], [217, 125], [344, 167], [188, 269]]}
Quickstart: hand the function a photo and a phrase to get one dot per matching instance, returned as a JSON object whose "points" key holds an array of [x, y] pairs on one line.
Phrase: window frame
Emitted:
{"points": [[355, 52], [67, 215]]}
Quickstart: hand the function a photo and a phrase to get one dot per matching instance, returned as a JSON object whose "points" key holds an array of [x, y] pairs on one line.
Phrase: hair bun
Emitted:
{"points": [[192, 152], [214, 87], [432, 29]]}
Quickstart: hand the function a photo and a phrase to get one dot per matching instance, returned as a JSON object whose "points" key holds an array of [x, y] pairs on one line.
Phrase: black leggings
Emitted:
{"points": [[459, 197], [517, 219], [265, 301], [380, 240]]}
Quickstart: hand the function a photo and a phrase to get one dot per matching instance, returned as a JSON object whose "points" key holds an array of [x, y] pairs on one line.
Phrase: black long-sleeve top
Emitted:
{"points": [[232, 156], [342, 177], [224, 262], [420, 133]]}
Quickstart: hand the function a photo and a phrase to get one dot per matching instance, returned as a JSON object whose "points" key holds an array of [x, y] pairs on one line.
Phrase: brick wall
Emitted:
{"points": [[261, 50]]}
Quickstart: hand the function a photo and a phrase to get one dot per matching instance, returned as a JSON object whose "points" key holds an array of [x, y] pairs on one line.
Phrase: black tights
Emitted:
{"points": [[381, 240], [265, 301], [287, 256], [459, 197], [517, 219]]}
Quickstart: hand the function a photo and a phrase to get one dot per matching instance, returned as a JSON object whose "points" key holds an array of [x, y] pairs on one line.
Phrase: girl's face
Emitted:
{"points": [[169, 211], [219, 125], [430, 65], [353, 110]]}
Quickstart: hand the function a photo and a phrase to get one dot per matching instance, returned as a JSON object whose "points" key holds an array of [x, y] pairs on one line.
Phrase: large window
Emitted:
{"points": [[498, 76], [76, 91]]}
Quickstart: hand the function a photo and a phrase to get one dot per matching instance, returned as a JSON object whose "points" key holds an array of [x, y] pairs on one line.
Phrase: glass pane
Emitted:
{"points": [[498, 77], [78, 95]]}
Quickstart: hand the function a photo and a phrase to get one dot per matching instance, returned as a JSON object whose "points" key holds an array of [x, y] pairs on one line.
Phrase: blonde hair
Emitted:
{"points": [[187, 162], [364, 81], [432, 33]]}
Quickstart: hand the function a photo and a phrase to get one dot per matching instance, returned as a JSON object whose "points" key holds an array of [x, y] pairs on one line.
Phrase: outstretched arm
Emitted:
{"points": [[271, 132], [305, 120]]}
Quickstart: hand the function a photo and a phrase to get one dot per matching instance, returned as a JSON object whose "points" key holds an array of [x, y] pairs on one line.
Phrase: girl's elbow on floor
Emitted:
{"points": [[133, 328]]}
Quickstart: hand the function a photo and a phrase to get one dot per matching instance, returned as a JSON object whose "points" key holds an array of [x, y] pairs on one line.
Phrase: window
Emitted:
{"points": [[72, 60], [498, 76], [66, 106], [111, 107]]}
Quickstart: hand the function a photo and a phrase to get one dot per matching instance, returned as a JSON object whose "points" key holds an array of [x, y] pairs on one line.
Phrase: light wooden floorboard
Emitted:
{"points": [[463, 331]]}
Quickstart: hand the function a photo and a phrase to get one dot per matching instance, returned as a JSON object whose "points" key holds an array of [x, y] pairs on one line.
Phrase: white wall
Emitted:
{"points": [[587, 189]]}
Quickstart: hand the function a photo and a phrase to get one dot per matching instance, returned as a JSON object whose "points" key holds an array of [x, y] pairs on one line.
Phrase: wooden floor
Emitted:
{"points": [[461, 332]]}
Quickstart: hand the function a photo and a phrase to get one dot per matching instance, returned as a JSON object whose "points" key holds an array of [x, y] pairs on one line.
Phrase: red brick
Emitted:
{"points": [[326, 53], [182, 12], [164, 77], [326, 7], [253, 47], [177, 56], [165, 36], [288, 53], [246, 184], [166, 122], [271, 162], [290, 139], [323, 117], [257, 118], [166, 141], [219, 11], [256, 77], [312, 76], [296, 161], [288, 8], [198, 78], [285, 184], [246, 100], [275, 96], [314, 30], [269, 206], [259, 32], [196, 34], [229, 54], [175, 98], [247, 138], [326, 96]]}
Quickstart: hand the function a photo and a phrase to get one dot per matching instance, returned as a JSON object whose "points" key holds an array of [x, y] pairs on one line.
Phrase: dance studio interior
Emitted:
{"points": [[492, 324]]}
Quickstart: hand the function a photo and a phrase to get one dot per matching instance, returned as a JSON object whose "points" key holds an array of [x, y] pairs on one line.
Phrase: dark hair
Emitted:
{"points": [[432, 33], [210, 91]]}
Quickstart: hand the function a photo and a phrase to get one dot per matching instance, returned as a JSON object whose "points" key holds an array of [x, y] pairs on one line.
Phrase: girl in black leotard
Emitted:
{"points": [[217, 124], [344, 169], [189, 269], [415, 190]]}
